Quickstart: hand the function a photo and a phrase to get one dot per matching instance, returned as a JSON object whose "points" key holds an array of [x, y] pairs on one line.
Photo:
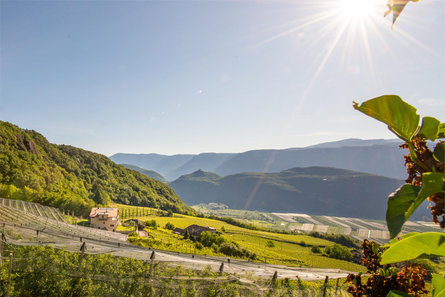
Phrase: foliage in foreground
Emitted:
{"points": [[45, 271], [426, 180]]}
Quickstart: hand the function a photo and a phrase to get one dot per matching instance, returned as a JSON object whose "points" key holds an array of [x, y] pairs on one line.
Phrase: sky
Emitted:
{"points": [[176, 77]]}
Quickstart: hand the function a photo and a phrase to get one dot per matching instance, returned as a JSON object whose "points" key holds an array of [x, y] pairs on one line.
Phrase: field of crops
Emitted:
{"points": [[285, 248], [355, 227]]}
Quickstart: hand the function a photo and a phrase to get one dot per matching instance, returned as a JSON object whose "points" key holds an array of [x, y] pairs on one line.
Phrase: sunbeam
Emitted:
{"points": [[316, 19]]}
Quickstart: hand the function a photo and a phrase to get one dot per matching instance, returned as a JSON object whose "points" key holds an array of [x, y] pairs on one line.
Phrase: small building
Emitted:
{"points": [[195, 230], [104, 218]]}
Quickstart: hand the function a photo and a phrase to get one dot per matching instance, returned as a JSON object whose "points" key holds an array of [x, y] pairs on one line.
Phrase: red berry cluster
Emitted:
{"points": [[426, 163], [384, 278]]}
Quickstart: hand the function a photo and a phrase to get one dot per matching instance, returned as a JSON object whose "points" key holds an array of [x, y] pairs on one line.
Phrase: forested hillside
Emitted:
{"points": [[63, 176], [312, 190]]}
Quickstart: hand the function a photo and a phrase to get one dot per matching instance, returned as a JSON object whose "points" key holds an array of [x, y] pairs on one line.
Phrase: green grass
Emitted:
{"points": [[287, 248]]}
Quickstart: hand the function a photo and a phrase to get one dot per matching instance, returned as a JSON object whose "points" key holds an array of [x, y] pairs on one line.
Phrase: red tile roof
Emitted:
{"points": [[110, 212]]}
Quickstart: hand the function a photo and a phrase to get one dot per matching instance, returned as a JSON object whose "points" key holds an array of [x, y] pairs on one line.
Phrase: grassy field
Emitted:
{"points": [[285, 248]]}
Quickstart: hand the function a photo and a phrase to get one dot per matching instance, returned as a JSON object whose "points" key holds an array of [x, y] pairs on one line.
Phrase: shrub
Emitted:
{"points": [[169, 226], [338, 251], [303, 243], [316, 249], [133, 234], [232, 249], [141, 225], [186, 234], [151, 224], [199, 245], [208, 239], [270, 244]]}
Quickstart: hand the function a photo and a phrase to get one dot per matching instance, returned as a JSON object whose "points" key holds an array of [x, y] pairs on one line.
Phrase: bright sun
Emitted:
{"points": [[357, 9]]}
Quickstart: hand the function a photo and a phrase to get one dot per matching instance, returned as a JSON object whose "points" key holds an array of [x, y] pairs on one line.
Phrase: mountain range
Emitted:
{"points": [[378, 156], [311, 190]]}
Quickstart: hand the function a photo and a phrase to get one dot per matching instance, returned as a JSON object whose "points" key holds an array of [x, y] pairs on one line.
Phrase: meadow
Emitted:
{"points": [[274, 248]]}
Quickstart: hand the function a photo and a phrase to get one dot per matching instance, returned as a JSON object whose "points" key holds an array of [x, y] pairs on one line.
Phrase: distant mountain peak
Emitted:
{"points": [[351, 142]]}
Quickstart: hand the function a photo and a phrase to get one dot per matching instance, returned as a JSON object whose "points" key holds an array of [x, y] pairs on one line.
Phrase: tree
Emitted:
{"points": [[186, 234], [100, 197]]}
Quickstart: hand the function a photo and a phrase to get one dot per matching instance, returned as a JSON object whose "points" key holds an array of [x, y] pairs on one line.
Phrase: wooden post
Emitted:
{"points": [[152, 258], [8, 288], [325, 286], [336, 287], [83, 248], [221, 268], [274, 279], [1, 250]]}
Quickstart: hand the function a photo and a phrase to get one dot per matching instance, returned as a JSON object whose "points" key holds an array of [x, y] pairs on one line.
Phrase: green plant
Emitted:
{"points": [[270, 244], [169, 226], [426, 180], [152, 224], [186, 234], [338, 251], [133, 234], [316, 249]]}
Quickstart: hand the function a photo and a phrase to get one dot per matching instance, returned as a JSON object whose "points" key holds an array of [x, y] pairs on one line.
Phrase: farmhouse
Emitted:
{"points": [[194, 230], [104, 218]]}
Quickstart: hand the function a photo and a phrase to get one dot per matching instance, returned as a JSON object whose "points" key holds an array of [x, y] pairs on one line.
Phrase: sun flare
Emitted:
{"points": [[357, 9]]}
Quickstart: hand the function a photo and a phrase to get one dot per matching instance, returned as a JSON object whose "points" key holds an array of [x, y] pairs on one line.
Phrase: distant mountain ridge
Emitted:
{"points": [[150, 173], [376, 156], [312, 190]]}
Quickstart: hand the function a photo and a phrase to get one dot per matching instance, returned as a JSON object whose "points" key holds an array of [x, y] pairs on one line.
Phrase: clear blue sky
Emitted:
{"points": [[212, 76]]}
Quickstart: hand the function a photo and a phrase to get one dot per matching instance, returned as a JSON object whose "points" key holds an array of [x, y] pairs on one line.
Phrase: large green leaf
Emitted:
{"points": [[439, 152], [432, 183], [439, 285], [405, 200], [400, 117], [394, 240], [395, 293], [424, 245], [399, 203], [429, 128]]}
